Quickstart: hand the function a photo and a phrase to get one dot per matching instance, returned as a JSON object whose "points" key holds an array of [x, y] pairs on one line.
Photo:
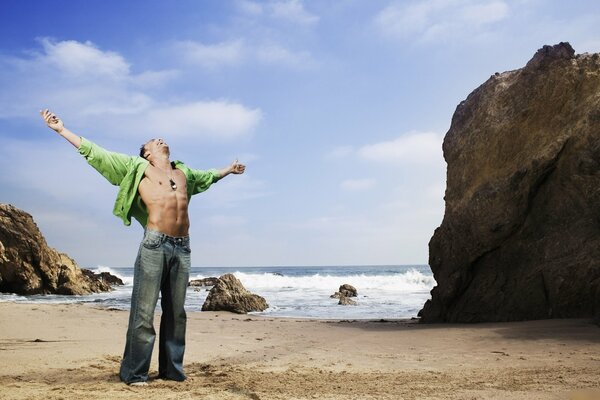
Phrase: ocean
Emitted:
{"points": [[384, 292]]}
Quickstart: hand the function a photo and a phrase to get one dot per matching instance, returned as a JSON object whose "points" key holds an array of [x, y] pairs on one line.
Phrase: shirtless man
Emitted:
{"points": [[156, 192]]}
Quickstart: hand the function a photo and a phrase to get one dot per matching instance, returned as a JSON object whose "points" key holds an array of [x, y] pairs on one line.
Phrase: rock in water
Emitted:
{"points": [[346, 301], [230, 295], [29, 266], [211, 281], [520, 238], [345, 290], [105, 277], [348, 290]]}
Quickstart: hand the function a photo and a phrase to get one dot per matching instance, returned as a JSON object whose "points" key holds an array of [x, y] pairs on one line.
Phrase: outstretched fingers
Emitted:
{"points": [[49, 116]]}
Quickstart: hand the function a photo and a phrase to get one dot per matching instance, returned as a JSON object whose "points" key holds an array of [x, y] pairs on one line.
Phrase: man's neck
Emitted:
{"points": [[162, 163]]}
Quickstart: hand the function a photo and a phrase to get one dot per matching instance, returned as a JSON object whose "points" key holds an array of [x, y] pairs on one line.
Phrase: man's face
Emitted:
{"points": [[156, 147]]}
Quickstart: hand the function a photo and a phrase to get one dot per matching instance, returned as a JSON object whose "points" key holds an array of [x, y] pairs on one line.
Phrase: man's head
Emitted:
{"points": [[154, 148]]}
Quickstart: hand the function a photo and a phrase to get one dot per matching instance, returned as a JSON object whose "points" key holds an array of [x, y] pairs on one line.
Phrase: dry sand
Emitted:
{"points": [[73, 352]]}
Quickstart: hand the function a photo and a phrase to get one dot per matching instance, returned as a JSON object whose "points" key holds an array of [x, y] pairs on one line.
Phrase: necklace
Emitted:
{"points": [[171, 181]]}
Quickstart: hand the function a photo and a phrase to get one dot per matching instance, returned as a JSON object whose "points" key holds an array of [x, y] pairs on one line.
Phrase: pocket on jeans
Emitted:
{"points": [[186, 248], [152, 241]]}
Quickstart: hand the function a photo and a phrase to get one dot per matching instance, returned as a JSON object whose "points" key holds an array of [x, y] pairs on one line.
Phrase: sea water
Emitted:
{"points": [[397, 291]]}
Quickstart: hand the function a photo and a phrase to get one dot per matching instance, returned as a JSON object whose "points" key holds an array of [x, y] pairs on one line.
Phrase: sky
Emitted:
{"points": [[337, 108]]}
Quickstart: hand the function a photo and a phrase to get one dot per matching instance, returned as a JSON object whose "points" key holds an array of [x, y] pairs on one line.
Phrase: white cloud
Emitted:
{"points": [[211, 55], [283, 10], [82, 59], [89, 87], [357, 184], [293, 11], [485, 13], [238, 52], [153, 79], [213, 118], [275, 54], [414, 148], [250, 7], [431, 20]]}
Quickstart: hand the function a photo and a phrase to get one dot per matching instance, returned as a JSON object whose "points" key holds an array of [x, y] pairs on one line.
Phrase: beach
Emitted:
{"points": [[72, 351]]}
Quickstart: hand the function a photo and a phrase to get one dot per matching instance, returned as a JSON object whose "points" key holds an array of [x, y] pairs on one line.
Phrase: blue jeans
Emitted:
{"points": [[162, 265]]}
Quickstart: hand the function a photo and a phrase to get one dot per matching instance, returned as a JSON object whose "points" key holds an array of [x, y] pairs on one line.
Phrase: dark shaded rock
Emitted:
{"points": [[230, 295], [212, 281], [111, 279], [29, 266], [346, 301], [105, 277], [345, 290], [520, 238], [348, 290]]}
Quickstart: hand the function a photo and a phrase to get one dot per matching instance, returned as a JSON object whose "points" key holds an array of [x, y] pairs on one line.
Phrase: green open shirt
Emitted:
{"points": [[127, 172]]}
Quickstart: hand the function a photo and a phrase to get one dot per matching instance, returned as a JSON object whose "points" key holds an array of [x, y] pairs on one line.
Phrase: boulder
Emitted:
{"points": [[28, 266], [230, 295], [105, 277], [212, 281], [346, 301], [520, 237], [345, 290], [109, 278], [348, 290]]}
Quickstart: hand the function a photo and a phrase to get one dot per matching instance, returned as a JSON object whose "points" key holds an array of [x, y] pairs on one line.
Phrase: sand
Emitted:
{"points": [[73, 352]]}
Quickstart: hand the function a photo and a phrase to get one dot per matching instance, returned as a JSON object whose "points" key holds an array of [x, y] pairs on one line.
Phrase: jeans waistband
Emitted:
{"points": [[166, 238]]}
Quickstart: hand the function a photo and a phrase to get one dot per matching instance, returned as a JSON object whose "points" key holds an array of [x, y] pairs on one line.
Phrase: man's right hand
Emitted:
{"points": [[52, 121], [56, 124]]}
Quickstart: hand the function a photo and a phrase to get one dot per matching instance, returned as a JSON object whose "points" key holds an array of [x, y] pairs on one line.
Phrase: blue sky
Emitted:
{"points": [[338, 109]]}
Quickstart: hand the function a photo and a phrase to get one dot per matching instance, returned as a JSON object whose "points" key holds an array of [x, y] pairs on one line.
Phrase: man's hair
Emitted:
{"points": [[143, 150]]}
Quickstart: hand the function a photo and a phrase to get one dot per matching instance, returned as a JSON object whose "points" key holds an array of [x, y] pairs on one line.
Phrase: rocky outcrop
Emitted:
{"points": [[345, 290], [105, 277], [520, 238], [230, 295], [29, 266], [211, 281], [344, 293], [346, 301]]}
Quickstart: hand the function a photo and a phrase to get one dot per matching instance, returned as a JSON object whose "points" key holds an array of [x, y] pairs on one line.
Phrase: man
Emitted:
{"points": [[156, 192]]}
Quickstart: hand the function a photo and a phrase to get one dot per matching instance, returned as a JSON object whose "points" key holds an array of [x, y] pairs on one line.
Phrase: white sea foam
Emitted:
{"points": [[301, 292], [410, 281], [394, 295]]}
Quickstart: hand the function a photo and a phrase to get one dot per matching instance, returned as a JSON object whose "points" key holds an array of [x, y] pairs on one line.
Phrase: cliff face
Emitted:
{"points": [[520, 238], [29, 266]]}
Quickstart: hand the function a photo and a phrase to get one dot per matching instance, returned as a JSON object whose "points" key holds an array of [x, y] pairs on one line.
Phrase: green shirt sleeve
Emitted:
{"points": [[113, 166], [203, 179]]}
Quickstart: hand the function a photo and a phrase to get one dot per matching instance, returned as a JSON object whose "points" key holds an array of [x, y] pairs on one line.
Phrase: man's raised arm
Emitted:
{"points": [[234, 168], [57, 125]]}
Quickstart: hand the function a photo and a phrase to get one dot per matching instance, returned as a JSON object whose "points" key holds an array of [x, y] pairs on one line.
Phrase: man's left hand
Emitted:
{"points": [[237, 168]]}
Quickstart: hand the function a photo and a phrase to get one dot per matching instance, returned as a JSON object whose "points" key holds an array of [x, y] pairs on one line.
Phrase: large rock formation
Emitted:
{"points": [[520, 238], [230, 295], [29, 266]]}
